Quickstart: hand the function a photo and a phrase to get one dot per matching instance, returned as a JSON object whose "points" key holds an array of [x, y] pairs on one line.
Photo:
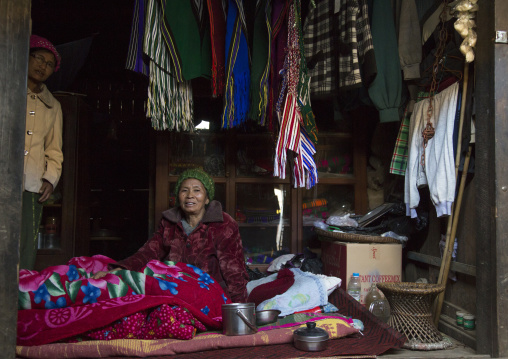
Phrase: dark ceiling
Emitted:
{"points": [[108, 21]]}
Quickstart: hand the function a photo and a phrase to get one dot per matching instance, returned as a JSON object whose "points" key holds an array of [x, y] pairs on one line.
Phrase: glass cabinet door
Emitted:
{"points": [[205, 150], [263, 214]]}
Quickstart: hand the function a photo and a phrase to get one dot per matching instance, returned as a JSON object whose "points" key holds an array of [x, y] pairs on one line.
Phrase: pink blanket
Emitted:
{"points": [[63, 302]]}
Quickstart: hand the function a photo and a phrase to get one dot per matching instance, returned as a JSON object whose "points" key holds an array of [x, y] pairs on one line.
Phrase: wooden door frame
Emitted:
{"points": [[14, 37], [491, 64]]}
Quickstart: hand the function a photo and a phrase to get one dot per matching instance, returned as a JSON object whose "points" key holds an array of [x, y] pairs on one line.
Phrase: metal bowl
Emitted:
{"points": [[266, 316]]}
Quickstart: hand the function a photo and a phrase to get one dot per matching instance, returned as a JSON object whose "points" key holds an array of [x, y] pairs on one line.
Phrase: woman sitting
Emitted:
{"points": [[196, 232], [171, 287]]}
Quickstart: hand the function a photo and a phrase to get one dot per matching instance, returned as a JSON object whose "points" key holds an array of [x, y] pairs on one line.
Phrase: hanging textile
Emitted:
{"points": [[260, 61], [217, 14], [187, 34], [438, 170], [398, 163], [338, 38], [386, 89], [293, 137], [277, 55], [135, 59], [170, 103], [236, 94]]}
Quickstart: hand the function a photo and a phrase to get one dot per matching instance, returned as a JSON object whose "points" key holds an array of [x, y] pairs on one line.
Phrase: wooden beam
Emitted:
{"points": [[491, 180], [436, 261], [14, 39]]}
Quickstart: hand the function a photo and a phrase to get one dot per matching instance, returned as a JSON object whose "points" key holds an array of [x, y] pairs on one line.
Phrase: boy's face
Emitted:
{"points": [[41, 65]]}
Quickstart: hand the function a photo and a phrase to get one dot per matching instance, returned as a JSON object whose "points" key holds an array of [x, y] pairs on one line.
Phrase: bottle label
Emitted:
{"points": [[355, 294]]}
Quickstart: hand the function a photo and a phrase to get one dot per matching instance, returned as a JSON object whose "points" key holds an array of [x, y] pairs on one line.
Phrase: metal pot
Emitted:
{"points": [[239, 319], [310, 339], [264, 317]]}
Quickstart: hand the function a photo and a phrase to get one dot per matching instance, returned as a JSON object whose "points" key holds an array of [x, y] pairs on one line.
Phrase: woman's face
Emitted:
{"points": [[193, 197], [41, 65]]}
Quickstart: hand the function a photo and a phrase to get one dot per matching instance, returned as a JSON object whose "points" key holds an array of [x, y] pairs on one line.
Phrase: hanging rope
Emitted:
{"points": [[429, 131]]}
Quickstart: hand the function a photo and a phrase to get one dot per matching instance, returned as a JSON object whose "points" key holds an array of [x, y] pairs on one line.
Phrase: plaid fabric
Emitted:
{"points": [[348, 23], [354, 41], [318, 37], [400, 152]]}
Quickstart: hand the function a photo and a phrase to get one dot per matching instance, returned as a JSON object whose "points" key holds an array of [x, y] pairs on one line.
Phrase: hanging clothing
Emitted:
{"points": [[293, 138], [187, 34], [170, 103], [261, 44], [400, 152], [217, 14], [135, 59], [410, 49], [386, 89], [339, 40], [278, 41], [236, 93], [439, 171]]}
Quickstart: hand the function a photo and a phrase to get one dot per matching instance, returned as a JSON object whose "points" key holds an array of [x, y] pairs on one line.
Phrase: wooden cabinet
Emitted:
{"points": [[269, 211], [70, 207]]}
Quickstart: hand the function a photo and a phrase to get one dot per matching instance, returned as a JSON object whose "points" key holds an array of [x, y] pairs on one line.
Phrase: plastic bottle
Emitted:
{"points": [[354, 287], [372, 295]]}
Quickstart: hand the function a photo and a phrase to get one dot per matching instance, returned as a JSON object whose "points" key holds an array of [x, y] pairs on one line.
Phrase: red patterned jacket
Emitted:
{"points": [[214, 246]]}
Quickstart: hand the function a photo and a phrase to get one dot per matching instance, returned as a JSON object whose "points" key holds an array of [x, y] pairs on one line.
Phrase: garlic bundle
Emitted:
{"points": [[464, 12]]}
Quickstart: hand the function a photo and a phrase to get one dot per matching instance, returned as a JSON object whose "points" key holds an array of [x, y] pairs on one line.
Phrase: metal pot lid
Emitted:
{"points": [[310, 333]]}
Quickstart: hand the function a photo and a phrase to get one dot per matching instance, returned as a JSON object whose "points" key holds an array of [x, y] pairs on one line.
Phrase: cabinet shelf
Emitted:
{"points": [[243, 225], [53, 205], [248, 191]]}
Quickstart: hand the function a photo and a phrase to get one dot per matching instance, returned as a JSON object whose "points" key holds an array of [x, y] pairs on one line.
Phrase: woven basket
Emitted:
{"points": [[411, 310], [354, 237]]}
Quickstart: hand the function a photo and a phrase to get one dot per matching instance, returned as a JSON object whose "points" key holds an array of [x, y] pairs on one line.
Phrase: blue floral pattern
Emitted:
{"points": [[41, 294], [91, 293], [60, 303], [165, 285], [73, 273]]}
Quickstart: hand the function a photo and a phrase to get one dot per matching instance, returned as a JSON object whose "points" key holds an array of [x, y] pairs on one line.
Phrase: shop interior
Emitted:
{"points": [[119, 172]]}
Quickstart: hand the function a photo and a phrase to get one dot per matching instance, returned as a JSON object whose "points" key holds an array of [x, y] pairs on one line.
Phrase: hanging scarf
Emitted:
{"points": [[260, 61], [291, 136], [135, 61], [186, 32], [278, 42], [236, 95], [170, 103], [217, 14]]}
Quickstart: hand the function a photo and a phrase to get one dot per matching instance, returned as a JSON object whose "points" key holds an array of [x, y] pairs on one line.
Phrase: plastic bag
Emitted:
{"points": [[342, 221]]}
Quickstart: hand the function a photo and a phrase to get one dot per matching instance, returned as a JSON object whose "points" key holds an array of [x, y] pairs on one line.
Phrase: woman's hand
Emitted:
{"points": [[45, 191], [101, 274]]}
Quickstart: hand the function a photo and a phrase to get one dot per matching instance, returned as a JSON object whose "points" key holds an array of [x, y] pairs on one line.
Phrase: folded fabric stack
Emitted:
{"points": [[319, 202], [317, 208], [320, 212]]}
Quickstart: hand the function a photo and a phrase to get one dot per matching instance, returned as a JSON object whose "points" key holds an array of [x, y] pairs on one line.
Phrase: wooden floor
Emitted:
{"points": [[458, 350]]}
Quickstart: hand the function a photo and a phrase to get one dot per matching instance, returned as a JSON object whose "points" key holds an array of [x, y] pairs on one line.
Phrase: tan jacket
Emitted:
{"points": [[43, 140]]}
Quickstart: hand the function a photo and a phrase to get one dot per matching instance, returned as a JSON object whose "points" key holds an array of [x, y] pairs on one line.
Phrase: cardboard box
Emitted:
{"points": [[374, 262]]}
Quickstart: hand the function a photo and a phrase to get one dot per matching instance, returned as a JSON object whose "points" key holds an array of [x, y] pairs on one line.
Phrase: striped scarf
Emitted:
{"points": [[135, 60], [236, 94], [292, 136], [186, 32], [260, 61], [217, 14], [170, 103]]}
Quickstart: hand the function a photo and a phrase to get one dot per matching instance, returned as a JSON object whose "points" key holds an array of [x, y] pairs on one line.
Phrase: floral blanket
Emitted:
{"points": [[64, 303]]}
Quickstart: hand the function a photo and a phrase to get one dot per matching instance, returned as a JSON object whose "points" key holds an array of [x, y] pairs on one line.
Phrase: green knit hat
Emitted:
{"points": [[200, 175]]}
